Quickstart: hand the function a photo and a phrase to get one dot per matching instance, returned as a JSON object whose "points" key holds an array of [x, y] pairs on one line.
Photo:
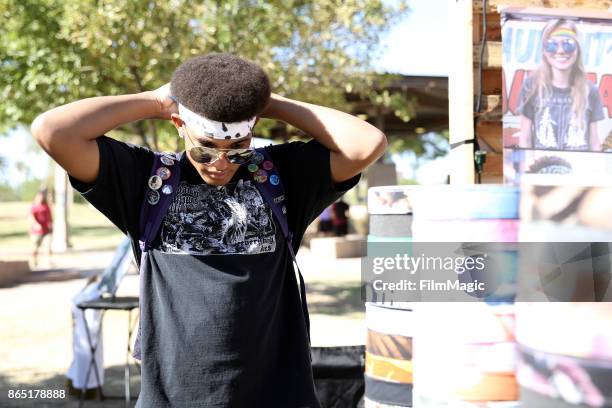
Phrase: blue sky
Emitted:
{"points": [[418, 44], [415, 46]]}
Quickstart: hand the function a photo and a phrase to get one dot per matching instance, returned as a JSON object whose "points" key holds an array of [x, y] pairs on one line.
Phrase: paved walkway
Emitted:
{"points": [[36, 323]]}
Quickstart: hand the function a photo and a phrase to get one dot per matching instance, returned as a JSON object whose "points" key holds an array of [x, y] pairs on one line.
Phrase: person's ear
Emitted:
{"points": [[176, 119], [178, 123]]}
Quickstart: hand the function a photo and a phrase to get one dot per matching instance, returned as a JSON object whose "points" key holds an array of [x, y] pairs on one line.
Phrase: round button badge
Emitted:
{"points": [[252, 167], [274, 180], [164, 173], [257, 158], [155, 182], [167, 161], [260, 176], [167, 189], [152, 197], [267, 165]]}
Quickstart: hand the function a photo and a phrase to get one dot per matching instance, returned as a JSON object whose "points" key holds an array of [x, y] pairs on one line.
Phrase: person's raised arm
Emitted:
{"points": [[68, 132], [354, 144]]}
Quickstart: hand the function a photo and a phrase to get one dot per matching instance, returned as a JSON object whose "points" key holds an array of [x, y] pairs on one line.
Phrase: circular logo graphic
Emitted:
{"points": [[155, 182], [152, 197]]}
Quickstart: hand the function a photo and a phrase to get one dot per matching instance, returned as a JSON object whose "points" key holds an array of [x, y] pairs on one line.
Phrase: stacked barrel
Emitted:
{"points": [[390, 322], [564, 318], [465, 353]]}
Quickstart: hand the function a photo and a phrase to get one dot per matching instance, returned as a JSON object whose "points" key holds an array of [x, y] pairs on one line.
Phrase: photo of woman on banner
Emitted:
{"points": [[559, 107]]}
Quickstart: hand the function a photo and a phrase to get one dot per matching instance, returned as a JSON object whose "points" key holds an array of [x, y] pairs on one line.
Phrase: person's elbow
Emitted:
{"points": [[380, 146], [351, 161], [371, 148], [43, 131], [40, 129]]}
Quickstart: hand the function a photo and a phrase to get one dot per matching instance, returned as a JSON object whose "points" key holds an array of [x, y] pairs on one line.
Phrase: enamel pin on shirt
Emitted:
{"points": [[155, 182]]}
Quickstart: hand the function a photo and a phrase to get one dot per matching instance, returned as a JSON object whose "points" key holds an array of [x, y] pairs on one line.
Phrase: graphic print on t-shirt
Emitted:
{"points": [[218, 220], [558, 127]]}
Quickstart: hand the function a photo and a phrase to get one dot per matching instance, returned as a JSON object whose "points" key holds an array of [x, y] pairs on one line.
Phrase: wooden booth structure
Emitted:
{"points": [[477, 94]]}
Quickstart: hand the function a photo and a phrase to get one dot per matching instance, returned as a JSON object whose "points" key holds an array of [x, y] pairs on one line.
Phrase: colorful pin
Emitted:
{"points": [[152, 197], [257, 158], [164, 173], [167, 189], [267, 165], [252, 167], [260, 176], [155, 182], [274, 180], [167, 161]]}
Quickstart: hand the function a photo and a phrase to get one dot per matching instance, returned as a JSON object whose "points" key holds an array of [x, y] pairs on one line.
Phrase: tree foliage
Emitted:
{"points": [[53, 52]]}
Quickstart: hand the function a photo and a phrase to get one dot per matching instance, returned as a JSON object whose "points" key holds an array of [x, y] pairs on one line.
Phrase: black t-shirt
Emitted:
{"points": [[221, 318], [554, 124]]}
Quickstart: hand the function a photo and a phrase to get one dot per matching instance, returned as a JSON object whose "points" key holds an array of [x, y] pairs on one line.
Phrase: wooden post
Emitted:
{"points": [[461, 91]]}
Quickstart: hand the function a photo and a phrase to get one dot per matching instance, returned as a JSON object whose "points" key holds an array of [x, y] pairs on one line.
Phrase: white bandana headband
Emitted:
{"points": [[216, 130]]}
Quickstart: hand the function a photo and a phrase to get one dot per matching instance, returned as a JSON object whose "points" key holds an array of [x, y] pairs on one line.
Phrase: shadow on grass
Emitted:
{"points": [[13, 234], [96, 249], [59, 275], [53, 275], [87, 230], [113, 391], [334, 299], [75, 232]]}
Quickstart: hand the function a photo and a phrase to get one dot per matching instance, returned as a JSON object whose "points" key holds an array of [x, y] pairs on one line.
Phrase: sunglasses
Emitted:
{"points": [[206, 155], [568, 45]]}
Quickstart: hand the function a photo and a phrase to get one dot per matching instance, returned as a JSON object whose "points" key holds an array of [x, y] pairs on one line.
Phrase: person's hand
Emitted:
{"points": [[166, 105]]}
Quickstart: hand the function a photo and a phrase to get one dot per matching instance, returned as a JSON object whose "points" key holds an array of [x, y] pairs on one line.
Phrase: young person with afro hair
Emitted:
{"points": [[221, 320]]}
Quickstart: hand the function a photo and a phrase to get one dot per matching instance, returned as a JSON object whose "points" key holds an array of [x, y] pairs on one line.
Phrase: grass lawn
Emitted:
{"points": [[89, 229]]}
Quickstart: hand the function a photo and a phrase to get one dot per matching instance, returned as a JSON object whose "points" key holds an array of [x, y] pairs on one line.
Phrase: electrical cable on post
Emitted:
{"points": [[480, 156]]}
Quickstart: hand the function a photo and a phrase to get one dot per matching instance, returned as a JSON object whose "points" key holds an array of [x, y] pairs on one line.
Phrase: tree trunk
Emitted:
{"points": [[140, 131]]}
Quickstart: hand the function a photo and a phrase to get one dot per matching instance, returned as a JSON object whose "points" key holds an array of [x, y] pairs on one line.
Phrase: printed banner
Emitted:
{"points": [[557, 96]]}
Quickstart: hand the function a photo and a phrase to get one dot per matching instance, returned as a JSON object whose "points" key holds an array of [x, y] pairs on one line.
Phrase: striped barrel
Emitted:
{"points": [[388, 373], [465, 353], [565, 346], [390, 326]]}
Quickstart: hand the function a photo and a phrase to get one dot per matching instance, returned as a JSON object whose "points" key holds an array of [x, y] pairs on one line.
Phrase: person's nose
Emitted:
{"points": [[221, 163]]}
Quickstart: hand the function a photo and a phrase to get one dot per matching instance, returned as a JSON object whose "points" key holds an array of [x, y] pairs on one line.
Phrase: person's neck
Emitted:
{"points": [[561, 78]]}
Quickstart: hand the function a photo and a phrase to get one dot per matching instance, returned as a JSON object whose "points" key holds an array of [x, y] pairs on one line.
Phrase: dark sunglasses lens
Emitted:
{"points": [[569, 46], [551, 46], [200, 155], [239, 158]]}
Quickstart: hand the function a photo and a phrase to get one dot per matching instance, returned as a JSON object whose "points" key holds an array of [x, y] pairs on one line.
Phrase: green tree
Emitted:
{"points": [[53, 52]]}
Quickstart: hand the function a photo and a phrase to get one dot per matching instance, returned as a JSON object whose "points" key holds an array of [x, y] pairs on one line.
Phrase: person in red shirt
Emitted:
{"points": [[41, 223]]}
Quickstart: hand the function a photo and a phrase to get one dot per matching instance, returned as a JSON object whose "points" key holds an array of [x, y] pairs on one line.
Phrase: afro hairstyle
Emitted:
{"points": [[221, 87]]}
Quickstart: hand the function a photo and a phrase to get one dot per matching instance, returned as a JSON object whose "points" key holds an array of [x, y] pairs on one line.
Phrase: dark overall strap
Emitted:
{"points": [[270, 186], [162, 186]]}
